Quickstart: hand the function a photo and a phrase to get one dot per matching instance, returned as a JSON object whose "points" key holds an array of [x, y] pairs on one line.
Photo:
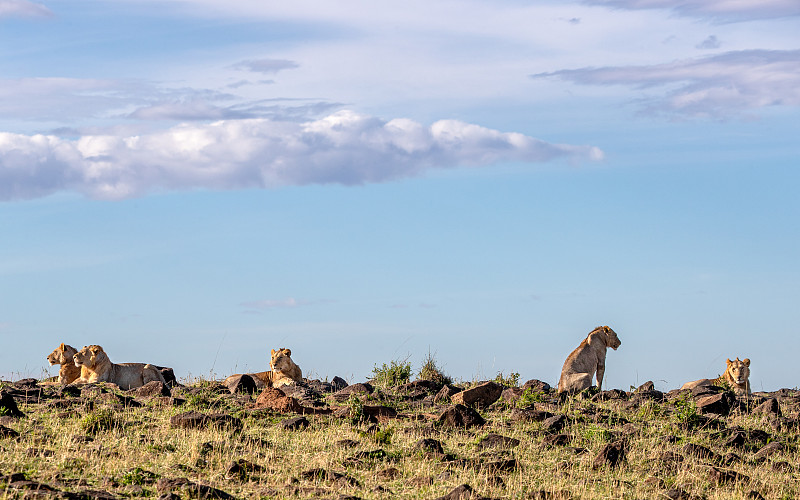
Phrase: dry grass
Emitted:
{"points": [[132, 448]]}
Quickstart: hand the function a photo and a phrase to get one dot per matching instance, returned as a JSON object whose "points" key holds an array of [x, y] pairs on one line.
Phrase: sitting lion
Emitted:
{"points": [[736, 377], [586, 359], [283, 371], [96, 367], [62, 355]]}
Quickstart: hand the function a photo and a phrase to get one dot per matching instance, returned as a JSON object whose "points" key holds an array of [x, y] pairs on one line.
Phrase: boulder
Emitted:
{"points": [[479, 396], [769, 407], [460, 416], [241, 384], [446, 393], [274, 399], [354, 389], [151, 389], [197, 420], [536, 386], [612, 454], [8, 406], [718, 404]]}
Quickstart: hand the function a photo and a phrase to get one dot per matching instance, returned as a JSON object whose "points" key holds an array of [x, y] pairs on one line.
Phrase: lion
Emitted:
{"points": [[283, 371], [589, 357], [98, 368], [736, 377], [62, 355]]}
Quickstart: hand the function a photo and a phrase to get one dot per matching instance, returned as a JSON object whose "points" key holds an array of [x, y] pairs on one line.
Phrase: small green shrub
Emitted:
{"points": [[431, 371], [686, 411], [529, 396], [395, 373], [139, 476], [511, 381]]}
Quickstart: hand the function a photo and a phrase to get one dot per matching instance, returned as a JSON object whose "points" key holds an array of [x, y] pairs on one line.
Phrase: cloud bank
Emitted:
{"points": [[717, 87], [719, 10], [343, 148], [23, 8]]}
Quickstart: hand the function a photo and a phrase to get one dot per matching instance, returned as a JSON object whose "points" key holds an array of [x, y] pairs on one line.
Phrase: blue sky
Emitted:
{"points": [[193, 183]]}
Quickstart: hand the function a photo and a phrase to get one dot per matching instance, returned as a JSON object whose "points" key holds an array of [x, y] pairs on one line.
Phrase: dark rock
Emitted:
{"points": [[479, 396], [346, 443], [612, 454], [610, 394], [379, 413], [242, 469], [646, 387], [338, 383], [152, 389], [557, 440], [169, 496], [294, 424], [511, 394], [460, 416], [653, 395], [389, 474], [755, 495], [529, 414], [536, 386], [549, 495], [190, 489], [319, 474], [69, 391], [677, 494], [7, 432], [554, 423], [769, 450], [241, 384], [169, 375], [724, 476], [429, 445], [718, 404], [769, 407], [493, 440], [8, 406], [446, 393], [505, 465], [350, 390], [197, 420], [462, 492]]}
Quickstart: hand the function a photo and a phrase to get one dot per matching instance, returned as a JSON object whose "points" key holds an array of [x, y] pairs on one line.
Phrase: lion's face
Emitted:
{"points": [[89, 356], [612, 340], [281, 359], [61, 354], [739, 371]]}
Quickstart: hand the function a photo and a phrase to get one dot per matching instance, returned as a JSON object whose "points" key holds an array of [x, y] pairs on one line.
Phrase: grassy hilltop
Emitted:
{"points": [[394, 439]]}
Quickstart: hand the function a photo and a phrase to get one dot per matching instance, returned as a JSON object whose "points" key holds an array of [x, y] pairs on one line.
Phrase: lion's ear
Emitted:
{"points": [[62, 346], [288, 352], [273, 352], [729, 361], [746, 361]]}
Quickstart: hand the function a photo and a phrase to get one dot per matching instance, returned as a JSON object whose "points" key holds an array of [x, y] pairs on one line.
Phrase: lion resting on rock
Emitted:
{"points": [[62, 355], [586, 359], [96, 367], [736, 377], [283, 371]]}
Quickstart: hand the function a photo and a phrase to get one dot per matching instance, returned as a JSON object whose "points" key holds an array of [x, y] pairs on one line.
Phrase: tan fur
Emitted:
{"points": [[736, 376], [283, 371], [62, 355], [100, 369], [587, 359]]}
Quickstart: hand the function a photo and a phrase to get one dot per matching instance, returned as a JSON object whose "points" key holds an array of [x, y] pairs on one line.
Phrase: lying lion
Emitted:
{"points": [[283, 371], [736, 377], [96, 367], [586, 359], [62, 355]]}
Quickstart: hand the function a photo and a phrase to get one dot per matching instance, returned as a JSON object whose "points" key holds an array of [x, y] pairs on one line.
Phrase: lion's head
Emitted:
{"points": [[61, 354], [612, 340], [90, 356], [738, 371], [281, 360]]}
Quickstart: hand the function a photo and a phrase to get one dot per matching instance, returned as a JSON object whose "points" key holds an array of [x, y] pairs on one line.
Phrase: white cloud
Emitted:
{"points": [[721, 10], [267, 66], [342, 148], [23, 8], [717, 86]]}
